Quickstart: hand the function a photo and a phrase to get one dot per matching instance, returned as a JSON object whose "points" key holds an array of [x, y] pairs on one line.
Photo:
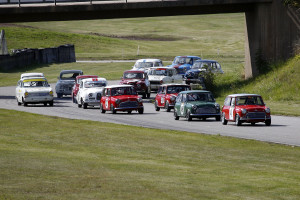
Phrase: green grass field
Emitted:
{"points": [[45, 157]]}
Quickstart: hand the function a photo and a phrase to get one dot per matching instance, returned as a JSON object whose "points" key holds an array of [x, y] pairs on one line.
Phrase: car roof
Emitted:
{"points": [[205, 60], [135, 71], [116, 86], [93, 79], [174, 84], [242, 95], [33, 74], [70, 71], [149, 60], [162, 68], [195, 91], [86, 76], [188, 57]]}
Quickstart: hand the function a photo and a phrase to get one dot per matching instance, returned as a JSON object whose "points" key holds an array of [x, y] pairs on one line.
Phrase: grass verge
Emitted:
{"points": [[45, 157]]}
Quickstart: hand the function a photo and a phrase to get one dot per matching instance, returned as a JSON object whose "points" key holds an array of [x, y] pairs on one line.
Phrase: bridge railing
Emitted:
{"points": [[55, 2]]}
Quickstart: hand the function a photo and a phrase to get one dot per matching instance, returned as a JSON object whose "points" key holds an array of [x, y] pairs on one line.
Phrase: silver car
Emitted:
{"points": [[66, 81]]}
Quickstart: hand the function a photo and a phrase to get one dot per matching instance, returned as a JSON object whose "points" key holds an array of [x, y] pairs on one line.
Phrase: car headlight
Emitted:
{"points": [[26, 94], [244, 111], [90, 95], [140, 100], [194, 107], [161, 82], [118, 101], [217, 106], [267, 110], [51, 93]]}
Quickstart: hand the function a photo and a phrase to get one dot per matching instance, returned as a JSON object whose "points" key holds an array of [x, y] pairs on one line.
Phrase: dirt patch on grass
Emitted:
{"points": [[16, 25], [140, 37]]}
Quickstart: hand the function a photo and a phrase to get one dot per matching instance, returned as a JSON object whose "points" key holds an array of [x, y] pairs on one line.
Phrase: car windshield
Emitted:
{"points": [[177, 89], [36, 83], [199, 65], [134, 75], [249, 100], [144, 64], [69, 76], [92, 84], [123, 91], [183, 60], [200, 97], [158, 72]]}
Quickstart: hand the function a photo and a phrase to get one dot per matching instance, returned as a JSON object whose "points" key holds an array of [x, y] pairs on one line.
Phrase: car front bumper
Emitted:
{"points": [[205, 115], [41, 99]]}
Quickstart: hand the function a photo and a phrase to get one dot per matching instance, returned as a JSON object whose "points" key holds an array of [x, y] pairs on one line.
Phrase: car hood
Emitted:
{"points": [[131, 81], [38, 89], [127, 98], [253, 108], [202, 103], [65, 82], [93, 90]]}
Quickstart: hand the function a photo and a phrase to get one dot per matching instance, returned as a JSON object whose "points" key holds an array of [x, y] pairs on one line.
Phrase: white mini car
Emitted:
{"points": [[162, 75], [90, 92], [145, 64], [34, 90]]}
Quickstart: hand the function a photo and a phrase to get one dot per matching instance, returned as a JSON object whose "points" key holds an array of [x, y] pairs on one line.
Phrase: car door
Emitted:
{"points": [[178, 104], [226, 107], [107, 99], [232, 109], [79, 93], [183, 105], [163, 96]]}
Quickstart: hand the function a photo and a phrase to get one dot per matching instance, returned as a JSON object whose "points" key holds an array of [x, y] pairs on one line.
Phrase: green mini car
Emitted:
{"points": [[196, 104]]}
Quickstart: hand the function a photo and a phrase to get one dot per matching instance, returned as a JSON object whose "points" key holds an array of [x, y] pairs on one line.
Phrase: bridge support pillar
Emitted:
{"points": [[272, 33]]}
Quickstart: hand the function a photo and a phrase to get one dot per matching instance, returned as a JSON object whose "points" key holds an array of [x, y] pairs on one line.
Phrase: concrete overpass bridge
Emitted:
{"points": [[271, 29]]}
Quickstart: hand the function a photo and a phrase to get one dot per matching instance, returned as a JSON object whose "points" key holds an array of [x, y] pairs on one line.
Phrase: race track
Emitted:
{"points": [[284, 130]]}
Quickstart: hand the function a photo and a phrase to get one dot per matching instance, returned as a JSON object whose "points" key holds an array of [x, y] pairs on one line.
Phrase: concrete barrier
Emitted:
{"points": [[26, 57]]}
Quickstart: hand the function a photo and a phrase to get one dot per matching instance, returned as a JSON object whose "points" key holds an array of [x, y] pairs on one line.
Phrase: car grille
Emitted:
{"points": [[154, 82], [39, 94], [256, 115], [127, 104], [206, 110], [180, 71]]}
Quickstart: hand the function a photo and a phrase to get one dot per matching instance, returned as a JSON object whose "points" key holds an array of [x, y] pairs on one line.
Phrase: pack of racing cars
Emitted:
{"points": [[171, 85]]}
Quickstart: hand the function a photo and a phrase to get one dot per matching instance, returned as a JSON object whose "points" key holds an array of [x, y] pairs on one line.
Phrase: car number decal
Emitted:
{"points": [[231, 112], [162, 100], [182, 108], [106, 103]]}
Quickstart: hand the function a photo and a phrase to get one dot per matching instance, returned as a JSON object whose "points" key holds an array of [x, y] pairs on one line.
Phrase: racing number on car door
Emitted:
{"points": [[182, 106]]}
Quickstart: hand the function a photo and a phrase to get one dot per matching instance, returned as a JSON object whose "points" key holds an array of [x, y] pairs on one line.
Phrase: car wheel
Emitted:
{"points": [[224, 121], [237, 120], [59, 95], [24, 103], [156, 107], [218, 118], [101, 108], [19, 103], [141, 110], [144, 95], [50, 103], [129, 111], [79, 105], [45, 104], [168, 106], [113, 109], [268, 122], [252, 123], [175, 115], [73, 98], [85, 105], [188, 116], [148, 95]]}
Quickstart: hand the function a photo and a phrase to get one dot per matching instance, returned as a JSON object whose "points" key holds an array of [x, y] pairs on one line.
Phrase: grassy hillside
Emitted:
{"points": [[78, 159], [280, 87]]}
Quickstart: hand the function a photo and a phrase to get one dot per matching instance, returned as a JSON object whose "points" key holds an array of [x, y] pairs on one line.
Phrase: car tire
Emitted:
{"points": [[141, 110], [59, 95], [19, 103], [129, 111], [218, 118], [175, 115], [45, 104], [237, 120], [144, 95], [188, 116], [252, 123], [148, 95], [101, 109], [168, 106], [156, 107], [268, 122], [224, 121], [113, 109], [24, 103], [51, 103], [73, 99]]}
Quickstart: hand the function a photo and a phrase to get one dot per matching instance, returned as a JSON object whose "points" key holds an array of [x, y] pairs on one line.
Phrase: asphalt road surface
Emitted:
{"points": [[284, 130]]}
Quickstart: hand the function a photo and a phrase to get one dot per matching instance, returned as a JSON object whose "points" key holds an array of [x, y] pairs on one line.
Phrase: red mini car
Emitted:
{"points": [[121, 98], [77, 83], [167, 94], [245, 108], [139, 80]]}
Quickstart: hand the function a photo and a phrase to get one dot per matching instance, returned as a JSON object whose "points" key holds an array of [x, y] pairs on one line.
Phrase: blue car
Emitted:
{"points": [[183, 63], [195, 74]]}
